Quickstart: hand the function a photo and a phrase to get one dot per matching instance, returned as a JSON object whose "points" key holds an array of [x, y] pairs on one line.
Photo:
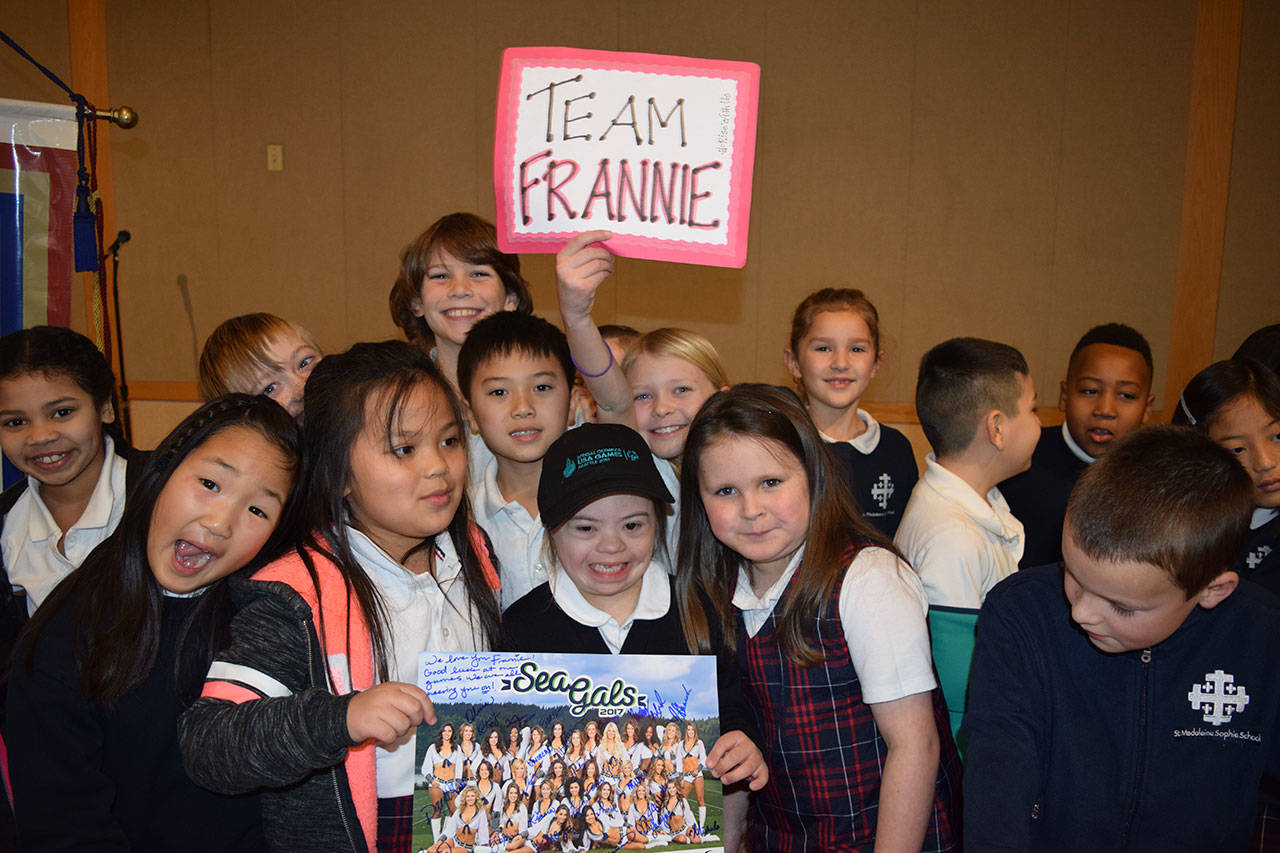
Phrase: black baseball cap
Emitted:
{"points": [[590, 462]]}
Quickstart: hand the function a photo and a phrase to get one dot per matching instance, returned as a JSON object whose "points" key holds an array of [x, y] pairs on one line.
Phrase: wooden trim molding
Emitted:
{"points": [[184, 392], [87, 32], [1211, 123]]}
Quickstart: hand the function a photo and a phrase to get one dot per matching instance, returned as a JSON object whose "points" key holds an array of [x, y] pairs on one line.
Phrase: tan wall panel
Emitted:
{"points": [[276, 75], [167, 186], [985, 159], [833, 201], [986, 167], [1249, 297], [41, 30], [407, 115], [1120, 184]]}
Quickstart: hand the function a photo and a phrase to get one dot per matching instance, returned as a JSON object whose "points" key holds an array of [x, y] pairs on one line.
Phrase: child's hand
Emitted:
{"points": [[388, 711], [581, 267], [734, 757]]}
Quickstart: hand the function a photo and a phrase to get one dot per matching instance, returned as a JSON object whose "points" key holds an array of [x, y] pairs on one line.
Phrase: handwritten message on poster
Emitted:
{"points": [[566, 752], [657, 149]]}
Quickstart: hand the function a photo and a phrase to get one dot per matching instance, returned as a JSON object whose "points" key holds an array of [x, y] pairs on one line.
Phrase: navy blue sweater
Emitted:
{"points": [[1071, 748], [88, 777]]}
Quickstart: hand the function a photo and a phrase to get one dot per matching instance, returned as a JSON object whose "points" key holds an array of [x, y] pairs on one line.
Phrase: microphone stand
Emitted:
{"points": [[113, 251]]}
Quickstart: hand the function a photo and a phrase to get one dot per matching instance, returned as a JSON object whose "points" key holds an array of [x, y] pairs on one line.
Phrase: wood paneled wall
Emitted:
{"points": [[997, 168]]}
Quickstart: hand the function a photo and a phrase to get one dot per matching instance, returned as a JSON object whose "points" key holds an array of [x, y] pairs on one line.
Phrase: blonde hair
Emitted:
{"points": [[683, 344], [235, 353]]}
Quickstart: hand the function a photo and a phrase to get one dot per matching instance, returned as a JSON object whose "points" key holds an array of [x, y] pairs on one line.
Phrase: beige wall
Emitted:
{"points": [[997, 168]]}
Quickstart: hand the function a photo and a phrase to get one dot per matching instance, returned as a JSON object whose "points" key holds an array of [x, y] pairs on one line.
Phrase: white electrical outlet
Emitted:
{"points": [[275, 158]]}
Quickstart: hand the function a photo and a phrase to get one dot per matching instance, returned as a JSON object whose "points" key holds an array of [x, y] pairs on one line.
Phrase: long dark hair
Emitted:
{"points": [[774, 416], [334, 402], [114, 598], [53, 350], [1221, 382]]}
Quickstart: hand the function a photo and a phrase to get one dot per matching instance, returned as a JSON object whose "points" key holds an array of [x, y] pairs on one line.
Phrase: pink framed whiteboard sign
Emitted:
{"points": [[657, 149]]}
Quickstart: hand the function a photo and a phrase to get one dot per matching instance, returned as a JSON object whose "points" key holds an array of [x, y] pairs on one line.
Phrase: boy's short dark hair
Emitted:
{"points": [[1167, 496], [507, 332], [1117, 335], [960, 381]]}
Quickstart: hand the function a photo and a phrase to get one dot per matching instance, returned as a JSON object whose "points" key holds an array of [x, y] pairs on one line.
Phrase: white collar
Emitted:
{"points": [[992, 514], [97, 512], [370, 555], [653, 603], [745, 598], [491, 500], [867, 442], [1075, 449], [1261, 515]]}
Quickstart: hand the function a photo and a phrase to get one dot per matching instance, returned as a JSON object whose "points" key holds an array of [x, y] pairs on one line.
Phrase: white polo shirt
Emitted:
{"points": [[30, 538], [882, 610], [516, 535], [960, 543], [424, 613]]}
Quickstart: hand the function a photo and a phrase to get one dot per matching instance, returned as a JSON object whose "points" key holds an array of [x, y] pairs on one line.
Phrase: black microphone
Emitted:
{"points": [[121, 238]]}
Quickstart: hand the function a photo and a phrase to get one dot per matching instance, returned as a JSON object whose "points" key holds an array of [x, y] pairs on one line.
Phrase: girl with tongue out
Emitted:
{"points": [[316, 696], [113, 656]]}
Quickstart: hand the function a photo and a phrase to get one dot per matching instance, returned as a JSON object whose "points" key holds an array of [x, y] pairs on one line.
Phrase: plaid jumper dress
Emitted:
{"points": [[824, 751]]}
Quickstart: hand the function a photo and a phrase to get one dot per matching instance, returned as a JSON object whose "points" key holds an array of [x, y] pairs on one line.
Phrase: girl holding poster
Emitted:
{"points": [[608, 593], [823, 604], [391, 564]]}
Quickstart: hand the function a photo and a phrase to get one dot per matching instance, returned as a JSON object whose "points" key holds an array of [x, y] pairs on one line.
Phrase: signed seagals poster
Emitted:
{"points": [[567, 752]]}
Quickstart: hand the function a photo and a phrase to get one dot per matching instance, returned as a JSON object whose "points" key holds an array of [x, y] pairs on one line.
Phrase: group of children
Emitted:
{"points": [[234, 663]]}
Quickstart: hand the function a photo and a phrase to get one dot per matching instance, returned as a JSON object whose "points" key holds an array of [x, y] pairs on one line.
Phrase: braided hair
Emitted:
{"points": [[114, 598]]}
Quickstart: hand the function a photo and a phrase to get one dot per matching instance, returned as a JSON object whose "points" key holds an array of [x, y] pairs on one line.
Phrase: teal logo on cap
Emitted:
{"points": [[569, 468], [631, 455]]}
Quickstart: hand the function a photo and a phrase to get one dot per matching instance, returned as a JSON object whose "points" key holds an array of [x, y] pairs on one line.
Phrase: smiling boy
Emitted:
{"points": [[1106, 396], [517, 376], [1127, 700]]}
